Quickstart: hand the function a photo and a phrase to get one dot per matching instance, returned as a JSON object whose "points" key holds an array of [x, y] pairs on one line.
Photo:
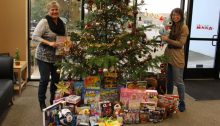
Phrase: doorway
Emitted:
{"points": [[203, 48]]}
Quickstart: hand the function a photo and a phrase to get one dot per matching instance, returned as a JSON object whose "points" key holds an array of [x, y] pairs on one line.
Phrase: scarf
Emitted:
{"points": [[58, 28]]}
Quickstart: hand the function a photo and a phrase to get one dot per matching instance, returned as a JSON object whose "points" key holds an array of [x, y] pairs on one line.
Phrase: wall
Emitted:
{"points": [[13, 27]]}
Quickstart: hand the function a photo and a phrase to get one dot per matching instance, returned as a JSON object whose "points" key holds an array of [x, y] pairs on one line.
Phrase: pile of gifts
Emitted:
{"points": [[88, 104]]}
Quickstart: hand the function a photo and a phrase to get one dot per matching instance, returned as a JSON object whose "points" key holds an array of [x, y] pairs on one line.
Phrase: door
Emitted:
{"points": [[203, 47]]}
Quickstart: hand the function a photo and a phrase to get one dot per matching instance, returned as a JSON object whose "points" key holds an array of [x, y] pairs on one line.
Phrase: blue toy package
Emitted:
{"points": [[78, 87]]}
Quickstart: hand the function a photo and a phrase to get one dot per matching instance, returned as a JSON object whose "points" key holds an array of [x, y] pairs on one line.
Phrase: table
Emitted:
{"points": [[20, 72]]}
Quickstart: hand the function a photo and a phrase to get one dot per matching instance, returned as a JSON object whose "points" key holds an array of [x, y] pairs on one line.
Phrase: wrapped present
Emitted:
{"points": [[169, 102]]}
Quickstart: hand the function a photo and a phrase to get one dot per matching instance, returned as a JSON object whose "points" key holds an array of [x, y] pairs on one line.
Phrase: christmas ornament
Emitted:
{"points": [[63, 88], [129, 42], [100, 71], [105, 70], [58, 71]]}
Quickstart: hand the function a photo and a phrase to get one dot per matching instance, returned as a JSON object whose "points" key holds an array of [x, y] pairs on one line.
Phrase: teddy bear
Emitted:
{"points": [[117, 108], [166, 27], [66, 117]]}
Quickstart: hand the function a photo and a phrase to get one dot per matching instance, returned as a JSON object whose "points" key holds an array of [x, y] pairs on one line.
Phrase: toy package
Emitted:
{"points": [[105, 108], [92, 82], [83, 116], [78, 87], [156, 115], [94, 109], [109, 94], [91, 96], [64, 45], [151, 96], [74, 99], [110, 80], [143, 116], [94, 120], [169, 102], [132, 97], [58, 114], [131, 117], [137, 85]]}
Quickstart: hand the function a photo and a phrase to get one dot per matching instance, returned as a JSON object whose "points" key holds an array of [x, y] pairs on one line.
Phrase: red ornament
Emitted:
{"points": [[161, 18], [129, 25], [100, 71], [88, 26]]}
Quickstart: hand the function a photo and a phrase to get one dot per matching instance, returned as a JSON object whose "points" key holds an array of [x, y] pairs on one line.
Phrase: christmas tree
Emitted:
{"points": [[110, 41]]}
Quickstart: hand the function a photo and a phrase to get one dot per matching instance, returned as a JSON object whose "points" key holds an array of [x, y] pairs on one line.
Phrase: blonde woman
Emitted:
{"points": [[45, 33]]}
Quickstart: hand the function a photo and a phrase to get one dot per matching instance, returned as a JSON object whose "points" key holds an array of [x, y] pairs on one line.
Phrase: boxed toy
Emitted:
{"points": [[74, 99], [110, 80], [83, 116], [105, 108], [131, 117], [109, 94], [92, 82], [64, 45], [131, 98], [58, 114], [78, 87], [91, 96]]}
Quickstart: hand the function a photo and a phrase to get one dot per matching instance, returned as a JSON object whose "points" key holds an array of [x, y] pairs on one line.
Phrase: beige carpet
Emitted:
{"points": [[26, 112]]}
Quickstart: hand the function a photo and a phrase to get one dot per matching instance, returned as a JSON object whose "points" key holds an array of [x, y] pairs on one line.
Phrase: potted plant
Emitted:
{"points": [[17, 57]]}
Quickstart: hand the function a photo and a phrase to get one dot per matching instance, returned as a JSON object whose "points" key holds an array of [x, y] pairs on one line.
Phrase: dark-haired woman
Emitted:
{"points": [[175, 53]]}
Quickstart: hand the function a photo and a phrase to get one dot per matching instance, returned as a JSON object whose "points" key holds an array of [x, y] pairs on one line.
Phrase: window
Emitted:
{"points": [[69, 13]]}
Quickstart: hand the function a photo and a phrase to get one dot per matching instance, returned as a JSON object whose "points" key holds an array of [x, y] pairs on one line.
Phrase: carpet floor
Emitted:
{"points": [[26, 112], [203, 89]]}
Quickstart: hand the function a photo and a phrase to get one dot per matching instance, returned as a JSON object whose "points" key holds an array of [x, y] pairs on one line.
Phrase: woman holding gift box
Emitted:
{"points": [[45, 33], [175, 53]]}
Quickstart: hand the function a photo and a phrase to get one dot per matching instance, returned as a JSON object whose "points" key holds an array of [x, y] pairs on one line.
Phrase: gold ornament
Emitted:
{"points": [[63, 88]]}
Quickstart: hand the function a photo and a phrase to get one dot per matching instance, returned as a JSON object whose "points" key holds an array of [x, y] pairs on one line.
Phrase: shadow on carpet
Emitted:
{"points": [[203, 89]]}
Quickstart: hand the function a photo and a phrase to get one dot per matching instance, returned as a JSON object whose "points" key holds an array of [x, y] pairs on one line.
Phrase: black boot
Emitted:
{"points": [[42, 105], [52, 98]]}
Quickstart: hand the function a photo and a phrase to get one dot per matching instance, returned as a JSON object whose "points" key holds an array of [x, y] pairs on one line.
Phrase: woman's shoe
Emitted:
{"points": [[42, 106], [182, 106]]}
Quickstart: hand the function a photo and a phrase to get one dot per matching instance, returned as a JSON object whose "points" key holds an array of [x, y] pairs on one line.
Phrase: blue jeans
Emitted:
{"points": [[46, 70], [175, 77]]}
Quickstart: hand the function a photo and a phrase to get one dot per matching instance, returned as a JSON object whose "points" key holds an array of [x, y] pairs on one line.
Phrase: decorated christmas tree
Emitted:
{"points": [[110, 41]]}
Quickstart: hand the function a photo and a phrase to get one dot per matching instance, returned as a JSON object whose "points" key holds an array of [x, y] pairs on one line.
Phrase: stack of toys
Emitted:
{"points": [[92, 105]]}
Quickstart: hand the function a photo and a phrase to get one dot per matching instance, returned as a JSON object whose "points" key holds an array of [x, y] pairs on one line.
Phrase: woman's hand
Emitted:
{"points": [[53, 44], [164, 38]]}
